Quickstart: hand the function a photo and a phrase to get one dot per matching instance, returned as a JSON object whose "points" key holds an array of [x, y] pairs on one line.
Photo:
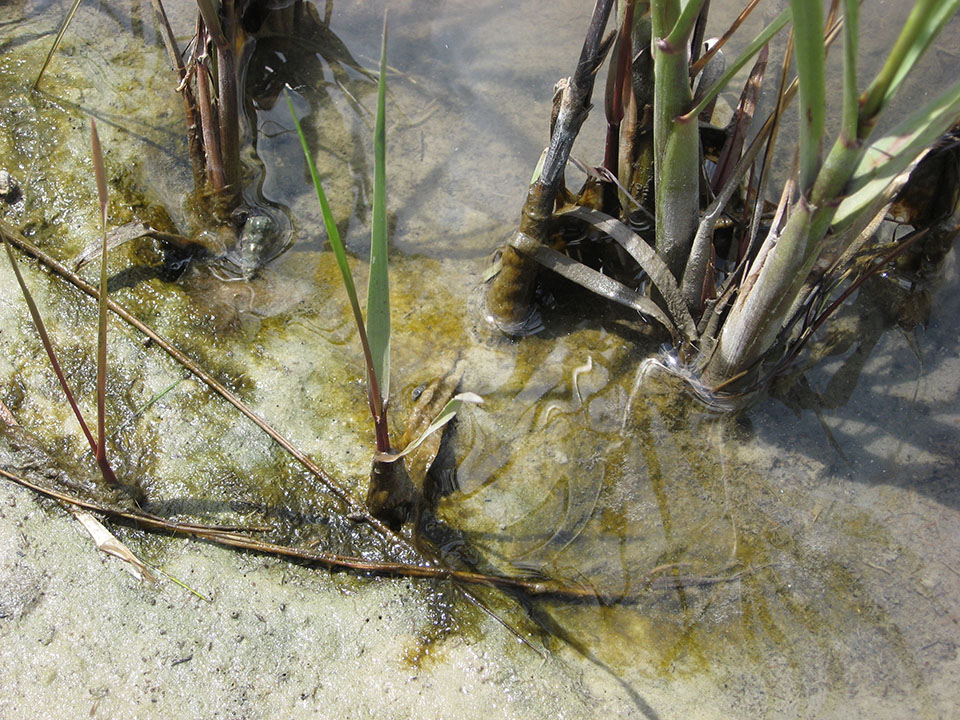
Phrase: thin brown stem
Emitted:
{"points": [[11, 238], [208, 125], [885, 261], [194, 141], [539, 588], [731, 31], [228, 109], [65, 273]]}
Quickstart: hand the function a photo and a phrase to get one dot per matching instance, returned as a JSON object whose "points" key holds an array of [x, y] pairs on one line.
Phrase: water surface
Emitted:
{"points": [[812, 539]]}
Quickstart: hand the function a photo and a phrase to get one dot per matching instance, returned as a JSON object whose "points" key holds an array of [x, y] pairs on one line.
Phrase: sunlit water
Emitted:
{"points": [[814, 547]]}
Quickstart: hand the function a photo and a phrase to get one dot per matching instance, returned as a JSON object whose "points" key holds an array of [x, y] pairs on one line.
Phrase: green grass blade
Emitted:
{"points": [[924, 23], [683, 28], [340, 253], [851, 99], [56, 41], [146, 406], [378, 287], [733, 68], [930, 29], [834, 173], [810, 57], [888, 156]]}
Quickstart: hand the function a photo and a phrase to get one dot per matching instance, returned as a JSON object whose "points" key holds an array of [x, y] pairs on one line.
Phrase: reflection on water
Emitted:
{"points": [[789, 563]]}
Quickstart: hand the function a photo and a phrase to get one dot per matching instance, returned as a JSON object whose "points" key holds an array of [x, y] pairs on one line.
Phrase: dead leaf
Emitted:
{"points": [[106, 542]]}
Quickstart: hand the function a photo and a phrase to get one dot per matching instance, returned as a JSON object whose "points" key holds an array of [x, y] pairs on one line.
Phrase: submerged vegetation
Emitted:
{"points": [[620, 514], [396, 491], [740, 284], [231, 221]]}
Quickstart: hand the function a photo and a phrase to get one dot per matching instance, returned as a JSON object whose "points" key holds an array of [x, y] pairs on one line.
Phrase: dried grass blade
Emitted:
{"points": [[702, 61], [211, 18], [103, 196], [652, 264], [700, 253], [108, 544], [45, 341], [589, 278], [56, 41], [746, 108]]}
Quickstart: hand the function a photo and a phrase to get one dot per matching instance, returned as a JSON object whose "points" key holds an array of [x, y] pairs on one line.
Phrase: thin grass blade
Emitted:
{"points": [[810, 56], [56, 41], [702, 61], [924, 23], [45, 341], [378, 286], [445, 415], [851, 101], [734, 67], [928, 32], [102, 194], [340, 253], [683, 28]]}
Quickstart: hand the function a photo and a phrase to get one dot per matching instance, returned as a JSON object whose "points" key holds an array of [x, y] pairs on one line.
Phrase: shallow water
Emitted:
{"points": [[815, 547]]}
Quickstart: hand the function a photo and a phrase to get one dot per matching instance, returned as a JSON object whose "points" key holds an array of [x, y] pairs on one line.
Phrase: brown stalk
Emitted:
{"points": [[511, 294], [208, 120], [194, 141], [100, 173], [229, 538], [741, 122], [228, 107], [9, 239], [618, 91], [731, 31], [65, 273]]}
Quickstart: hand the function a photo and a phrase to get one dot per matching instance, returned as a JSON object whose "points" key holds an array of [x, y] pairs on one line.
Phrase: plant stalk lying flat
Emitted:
{"points": [[658, 579]]}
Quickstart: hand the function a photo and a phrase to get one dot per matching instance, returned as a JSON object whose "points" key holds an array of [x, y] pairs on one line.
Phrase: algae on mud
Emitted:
{"points": [[850, 606]]}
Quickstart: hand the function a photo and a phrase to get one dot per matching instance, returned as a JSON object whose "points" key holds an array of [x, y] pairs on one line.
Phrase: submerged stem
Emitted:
{"points": [[656, 579], [511, 294]]}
